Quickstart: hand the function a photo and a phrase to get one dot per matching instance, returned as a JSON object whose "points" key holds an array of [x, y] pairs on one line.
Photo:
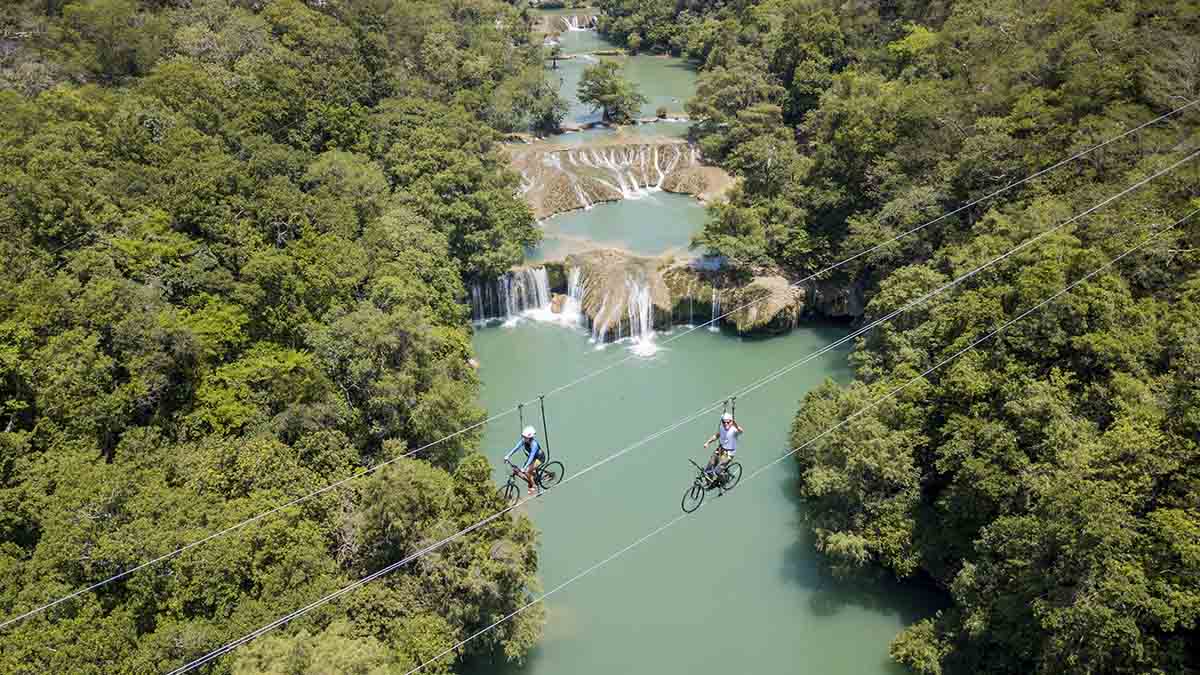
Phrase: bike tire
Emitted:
{"points": [[692, 498], [510, 493], [733, 474], [551, 474]]}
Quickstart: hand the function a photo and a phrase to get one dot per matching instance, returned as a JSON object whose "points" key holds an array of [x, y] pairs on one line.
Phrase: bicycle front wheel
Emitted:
{"points": [[551, 474], [510, 493], [692, 498], [733, 474]]}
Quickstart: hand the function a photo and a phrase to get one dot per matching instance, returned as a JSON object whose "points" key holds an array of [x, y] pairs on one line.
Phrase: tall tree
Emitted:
{"points": [[603, 88]]}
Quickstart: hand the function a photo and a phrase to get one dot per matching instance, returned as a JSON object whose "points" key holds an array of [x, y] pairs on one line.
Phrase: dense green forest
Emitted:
{"points": [[236, 234], [1048, 482]]}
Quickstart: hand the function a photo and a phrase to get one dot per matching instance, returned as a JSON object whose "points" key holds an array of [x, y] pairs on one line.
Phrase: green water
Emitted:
{"points": [[663, 81], [736, 587], [581, 41], [653, 225]]}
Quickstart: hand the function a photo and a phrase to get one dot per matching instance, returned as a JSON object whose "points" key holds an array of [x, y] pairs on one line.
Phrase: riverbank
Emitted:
{"points": [[742, 568]]}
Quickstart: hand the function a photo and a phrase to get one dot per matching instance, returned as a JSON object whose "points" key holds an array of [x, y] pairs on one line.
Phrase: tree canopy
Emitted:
{"points": [[1047, 481], [603, 88], [238, 234]]}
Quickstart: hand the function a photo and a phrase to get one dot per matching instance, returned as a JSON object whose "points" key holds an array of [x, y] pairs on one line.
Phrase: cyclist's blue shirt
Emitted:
{"points": [[531, 453]]}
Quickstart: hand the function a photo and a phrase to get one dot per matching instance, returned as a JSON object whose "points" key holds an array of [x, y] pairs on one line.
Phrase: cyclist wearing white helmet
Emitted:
{"points": [[727, 438], [533, 455]]}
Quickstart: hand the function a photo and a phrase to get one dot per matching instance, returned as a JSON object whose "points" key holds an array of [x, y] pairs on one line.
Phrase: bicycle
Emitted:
{"points": [[545, 476], [726, 479]]}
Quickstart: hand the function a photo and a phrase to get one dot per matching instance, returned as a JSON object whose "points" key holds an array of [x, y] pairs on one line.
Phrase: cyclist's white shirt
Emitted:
{"points": [[728, 436]]}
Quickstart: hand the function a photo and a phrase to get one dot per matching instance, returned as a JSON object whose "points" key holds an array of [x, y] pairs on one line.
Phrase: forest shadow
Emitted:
{"points": [[873, 589]]}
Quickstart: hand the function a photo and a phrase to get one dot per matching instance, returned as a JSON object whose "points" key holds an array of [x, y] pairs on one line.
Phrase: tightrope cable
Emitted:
{"points": [[870, 406], [759, 383], [590, 375]]}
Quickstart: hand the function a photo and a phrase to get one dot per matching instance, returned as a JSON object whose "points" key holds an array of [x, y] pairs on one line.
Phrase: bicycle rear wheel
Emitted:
{"points": [[551, 474], [510, 493], [733, 474], [692, 498]]}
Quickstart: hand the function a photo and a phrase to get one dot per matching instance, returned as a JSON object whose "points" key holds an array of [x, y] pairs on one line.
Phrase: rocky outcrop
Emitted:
{"points": [[620, 295], [561, 178], [766, 304], [835, 299]]}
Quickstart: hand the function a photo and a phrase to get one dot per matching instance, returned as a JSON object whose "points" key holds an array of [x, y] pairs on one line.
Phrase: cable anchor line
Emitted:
{"points": [[216, 653], [595, 373], [861, 411], [545, 427]]}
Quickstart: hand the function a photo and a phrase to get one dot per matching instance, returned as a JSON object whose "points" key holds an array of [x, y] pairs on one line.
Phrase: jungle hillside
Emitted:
{"points": [[235, 237], [1048, 481]]}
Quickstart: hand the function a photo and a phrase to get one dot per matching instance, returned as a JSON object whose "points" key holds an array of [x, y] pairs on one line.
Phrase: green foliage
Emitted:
{"points": [[1043, 479], [238, 234], [602, 87], [1048, 480], [112, 38]]}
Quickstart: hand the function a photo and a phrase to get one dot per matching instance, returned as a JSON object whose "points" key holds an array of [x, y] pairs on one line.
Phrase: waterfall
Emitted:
{"points": [[575, 287], [715, 323], [629, 171], [663, 173], [571, 312], [626, 309], [640, 309], [600, 323], [691, 304], [508, 296], [578, 23], [567, 178]]}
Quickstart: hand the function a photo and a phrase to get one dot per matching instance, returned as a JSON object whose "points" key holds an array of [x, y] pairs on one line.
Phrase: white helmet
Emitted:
{"points": [[726, 417], [528, 432]]}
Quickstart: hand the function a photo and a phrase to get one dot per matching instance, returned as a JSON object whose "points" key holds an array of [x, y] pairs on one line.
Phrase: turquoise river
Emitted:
{"points": [[735, 588]]}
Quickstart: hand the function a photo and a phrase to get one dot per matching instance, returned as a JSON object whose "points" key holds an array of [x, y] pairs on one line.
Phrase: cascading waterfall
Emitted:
{"points": [[575, 290], [715, 325], [691, 304], [600, 324], [578, 23], [625, 311], [640, 309], [559, 179], [570, 313], [508, 296], [629, 171]]}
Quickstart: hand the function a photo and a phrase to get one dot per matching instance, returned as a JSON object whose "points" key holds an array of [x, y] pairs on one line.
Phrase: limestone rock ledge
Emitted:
{"points": [[557, 178], [768, 304]]}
